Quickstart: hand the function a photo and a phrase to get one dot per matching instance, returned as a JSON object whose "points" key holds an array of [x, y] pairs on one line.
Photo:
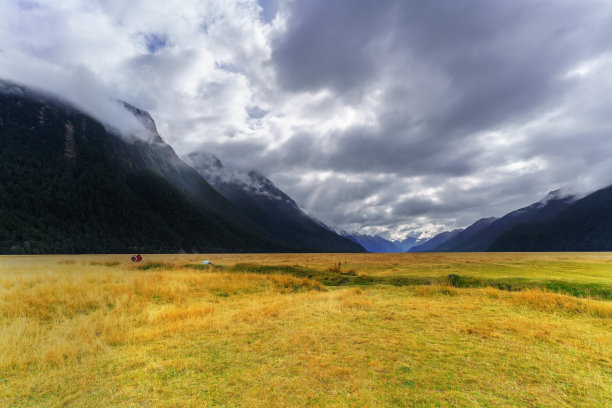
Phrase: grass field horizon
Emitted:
{"points": [[428, 329]]}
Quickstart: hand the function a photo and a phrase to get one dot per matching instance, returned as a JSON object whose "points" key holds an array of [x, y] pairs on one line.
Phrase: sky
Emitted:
{"points": [[391, 117]]}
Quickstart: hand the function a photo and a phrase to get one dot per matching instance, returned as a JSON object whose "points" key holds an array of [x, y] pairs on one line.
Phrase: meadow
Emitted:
{"points": [[294, 330]]}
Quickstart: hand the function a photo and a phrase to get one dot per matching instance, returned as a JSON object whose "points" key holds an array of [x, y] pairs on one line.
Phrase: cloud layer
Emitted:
{"points": [[392, 117]]}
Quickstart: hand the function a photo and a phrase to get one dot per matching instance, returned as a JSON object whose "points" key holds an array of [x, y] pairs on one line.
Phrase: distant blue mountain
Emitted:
{"points": [[372, 243], [408, 243]]}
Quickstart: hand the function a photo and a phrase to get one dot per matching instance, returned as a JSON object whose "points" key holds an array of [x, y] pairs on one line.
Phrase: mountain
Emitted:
{"points": [[273, 211], [373, 243], [550, 206], [433, 243], [407, 243], [378, 244], [69, 184], [585, 225], [466, 235]]}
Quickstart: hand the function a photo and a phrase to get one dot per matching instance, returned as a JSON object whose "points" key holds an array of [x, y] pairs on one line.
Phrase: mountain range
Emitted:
{"points": [[372, 243], [558, 222], [585, 225], [71, 184], [547, 208]]}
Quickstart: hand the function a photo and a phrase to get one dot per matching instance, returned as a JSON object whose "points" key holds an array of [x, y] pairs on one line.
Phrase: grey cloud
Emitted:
{"points": [[445, 73], [242, 154], [380, 150], [497, 60], [330, 44], [414, 207]]}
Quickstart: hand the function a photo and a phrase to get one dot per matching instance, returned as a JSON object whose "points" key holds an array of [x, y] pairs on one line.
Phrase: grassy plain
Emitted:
{"points": [[508, 330]]}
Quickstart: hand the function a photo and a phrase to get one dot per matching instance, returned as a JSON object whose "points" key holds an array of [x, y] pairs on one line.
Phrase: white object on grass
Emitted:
{"points": [[206, 262]]}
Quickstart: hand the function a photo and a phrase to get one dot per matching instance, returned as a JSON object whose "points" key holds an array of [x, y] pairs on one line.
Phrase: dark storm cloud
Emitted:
{"points": [[496, 60], [366, 150], [331, 44], [445, 72]]}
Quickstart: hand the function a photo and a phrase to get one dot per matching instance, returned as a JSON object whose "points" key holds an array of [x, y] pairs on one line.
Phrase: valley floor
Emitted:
{"points": [[506, 330]]}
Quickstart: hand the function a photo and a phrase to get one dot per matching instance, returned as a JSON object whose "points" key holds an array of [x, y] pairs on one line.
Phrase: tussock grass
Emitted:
{"points": [[283, 330], [549, 302], [354, 298], [57, 318], [436, 290], [554, 302]]}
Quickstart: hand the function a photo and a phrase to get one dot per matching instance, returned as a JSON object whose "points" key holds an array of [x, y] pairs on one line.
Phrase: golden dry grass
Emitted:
{"points": [[85, 331]]}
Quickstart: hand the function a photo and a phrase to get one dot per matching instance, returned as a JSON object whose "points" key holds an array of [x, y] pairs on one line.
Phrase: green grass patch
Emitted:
{"points": [[578, 289], [335, 277]]}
